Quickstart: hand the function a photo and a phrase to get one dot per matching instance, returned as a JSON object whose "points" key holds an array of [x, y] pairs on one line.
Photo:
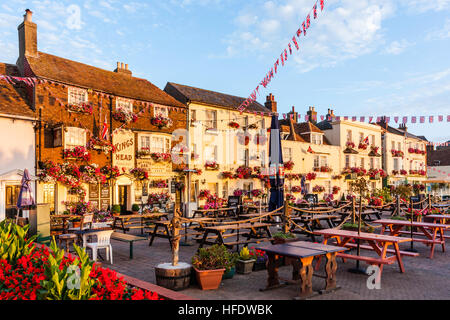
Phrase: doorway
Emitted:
{"points": [[12, 195], [123, 198]]}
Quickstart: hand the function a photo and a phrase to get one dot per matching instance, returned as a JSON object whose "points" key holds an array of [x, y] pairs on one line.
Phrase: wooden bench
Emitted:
{"points": [[127, 238], [366, 247]]}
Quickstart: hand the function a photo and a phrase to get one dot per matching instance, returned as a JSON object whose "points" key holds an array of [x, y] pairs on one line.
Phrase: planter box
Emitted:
{"points": [[229, 274], [209, 279], [260, 265], [245, 266]]}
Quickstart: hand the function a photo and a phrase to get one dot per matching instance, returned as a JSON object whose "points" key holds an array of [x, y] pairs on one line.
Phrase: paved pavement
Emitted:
{"points": [[424, 278]]}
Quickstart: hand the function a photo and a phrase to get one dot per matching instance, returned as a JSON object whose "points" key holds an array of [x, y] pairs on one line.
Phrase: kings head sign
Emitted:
{"points": [[124, 155]]}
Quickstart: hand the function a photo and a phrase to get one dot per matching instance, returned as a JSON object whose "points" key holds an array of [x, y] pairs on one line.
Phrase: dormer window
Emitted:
{"points": [[125, 104], [77, 96], [316, 138]]}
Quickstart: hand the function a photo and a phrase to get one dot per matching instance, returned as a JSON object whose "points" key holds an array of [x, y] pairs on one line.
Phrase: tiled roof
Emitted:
{"points": [[71, 72], [185, 94], [13, 99], [442, 155], [300, 130], [401, 132]]}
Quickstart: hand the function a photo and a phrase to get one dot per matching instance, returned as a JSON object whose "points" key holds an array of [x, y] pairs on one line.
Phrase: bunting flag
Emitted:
{"points": [[366, 140], [440, 118], [413, 119], [310, 150], [431, 119], [294, 40], [304, 25]]}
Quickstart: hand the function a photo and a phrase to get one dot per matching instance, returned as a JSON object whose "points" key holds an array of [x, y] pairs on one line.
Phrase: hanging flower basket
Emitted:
{"points": [[80, 108], [336, 190], [227, 175], [139, 174], [296, 189], [234, 125], [318, 189], [311, 176], [161, 157], [77, 153], [397, 153], [110, 172], [161, 122], [211, 165], [105, 146], [289, 165], [125, 116]]}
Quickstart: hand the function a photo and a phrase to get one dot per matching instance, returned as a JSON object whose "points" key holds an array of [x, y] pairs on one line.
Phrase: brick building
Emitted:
{"points": [[74, 104]]}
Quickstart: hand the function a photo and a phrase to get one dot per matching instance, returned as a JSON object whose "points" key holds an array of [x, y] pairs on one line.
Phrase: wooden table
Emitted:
{"points": [[221, 232], [395, 228], [123, 222], [64, 218], [216, 213], [311, 222], [379, 243], [127, 238], [301, 255]]}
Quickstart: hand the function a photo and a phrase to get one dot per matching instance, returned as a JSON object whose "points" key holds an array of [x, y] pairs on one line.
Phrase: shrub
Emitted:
{"points": [[211, 258], [135, 207]]}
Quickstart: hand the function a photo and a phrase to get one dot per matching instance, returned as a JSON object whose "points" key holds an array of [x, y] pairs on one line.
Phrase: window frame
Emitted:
{"points": [[70, 131]]}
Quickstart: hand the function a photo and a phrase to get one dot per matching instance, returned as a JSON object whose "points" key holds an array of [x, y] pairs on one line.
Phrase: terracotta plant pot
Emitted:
{"points": [[245, 266], [209, 279]]}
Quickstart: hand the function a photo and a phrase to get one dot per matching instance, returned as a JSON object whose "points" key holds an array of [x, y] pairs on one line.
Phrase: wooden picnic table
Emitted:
{"points": [[123, 222], [221, 232], [216, 213], [313, 222], [64, 218], [378, 242], [423, 229], [301, 255]]}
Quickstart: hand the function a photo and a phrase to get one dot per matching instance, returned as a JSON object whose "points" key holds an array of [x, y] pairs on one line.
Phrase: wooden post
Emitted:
{"points": [[176, 236], [429, 201], [287, 214], [397, 210], [353, 211]]}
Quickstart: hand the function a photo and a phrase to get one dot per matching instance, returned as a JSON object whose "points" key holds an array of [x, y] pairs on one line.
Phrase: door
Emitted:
{"points": [[123, 198], [12, 194]]}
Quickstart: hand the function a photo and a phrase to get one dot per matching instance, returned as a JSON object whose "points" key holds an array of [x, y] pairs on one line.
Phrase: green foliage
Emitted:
{"points": [[211, 258], [115, 208], [385, 193], [71, 282], [354, 227], [14, 242], [282, 235], [135, 207], [397, 217], [360, 186], [403, 190]]}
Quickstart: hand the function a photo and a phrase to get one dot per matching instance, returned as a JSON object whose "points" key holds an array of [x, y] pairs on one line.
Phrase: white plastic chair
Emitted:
{"points": [[103, 242]]}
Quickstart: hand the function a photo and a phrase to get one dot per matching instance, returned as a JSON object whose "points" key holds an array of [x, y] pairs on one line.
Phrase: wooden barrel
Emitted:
{"points": [[173, 277]]}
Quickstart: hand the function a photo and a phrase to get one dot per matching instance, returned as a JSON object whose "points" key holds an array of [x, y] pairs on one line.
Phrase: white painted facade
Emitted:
{"points": [[17, 152]]}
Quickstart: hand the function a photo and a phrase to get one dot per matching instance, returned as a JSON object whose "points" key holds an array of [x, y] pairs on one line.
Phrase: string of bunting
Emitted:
{"points": [[284, 54]]}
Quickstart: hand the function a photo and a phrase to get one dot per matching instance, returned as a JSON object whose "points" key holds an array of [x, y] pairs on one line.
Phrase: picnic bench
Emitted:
{"points": [[395, 227], [136, 221], [313, 222], [165, 231], [378, 242], [255, 232], [301, 255], [127, 238], [215, 213]]}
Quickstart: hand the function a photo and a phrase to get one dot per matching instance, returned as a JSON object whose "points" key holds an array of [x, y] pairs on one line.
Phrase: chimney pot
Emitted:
{"points": [[122, 66], [28, 15], [126, 66]]}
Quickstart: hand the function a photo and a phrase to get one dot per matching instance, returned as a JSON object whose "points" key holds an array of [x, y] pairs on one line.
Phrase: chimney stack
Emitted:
{"points": [[27, 31], [330, 115], [270, 103], [312, 115], [293, 115], [122, 68]]}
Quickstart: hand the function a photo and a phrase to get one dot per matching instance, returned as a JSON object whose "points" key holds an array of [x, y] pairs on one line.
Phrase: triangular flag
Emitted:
{"points": [[295, 42], [396, 119]]}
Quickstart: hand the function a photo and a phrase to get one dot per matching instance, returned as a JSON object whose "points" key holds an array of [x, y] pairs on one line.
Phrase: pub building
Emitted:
{"points": [[96, 129]]}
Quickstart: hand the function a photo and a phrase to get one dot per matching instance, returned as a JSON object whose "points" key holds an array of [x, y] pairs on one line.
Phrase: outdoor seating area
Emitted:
{"points": [[302, 240]]}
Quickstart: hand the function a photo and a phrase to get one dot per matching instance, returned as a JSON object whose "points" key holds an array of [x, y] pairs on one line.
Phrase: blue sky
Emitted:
{"points": [[360, 57]]}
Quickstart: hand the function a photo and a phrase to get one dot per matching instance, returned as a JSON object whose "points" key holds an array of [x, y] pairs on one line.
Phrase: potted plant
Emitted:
{"points": [[230, 270], [281, 237], [261, 259], [135, 208], [209, 265], [115, 210], [244, 265]]}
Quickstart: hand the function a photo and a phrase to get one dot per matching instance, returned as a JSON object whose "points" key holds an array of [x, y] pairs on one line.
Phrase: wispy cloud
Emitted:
{"points": [[397, 47]]}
